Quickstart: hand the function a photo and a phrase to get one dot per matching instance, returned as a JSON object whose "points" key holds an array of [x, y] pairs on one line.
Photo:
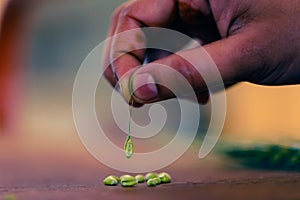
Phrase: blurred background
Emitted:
{"points": [[43, 44]]}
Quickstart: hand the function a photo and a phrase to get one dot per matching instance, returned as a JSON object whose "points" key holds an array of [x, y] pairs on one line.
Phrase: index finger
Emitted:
{"points": [[127, 50]]}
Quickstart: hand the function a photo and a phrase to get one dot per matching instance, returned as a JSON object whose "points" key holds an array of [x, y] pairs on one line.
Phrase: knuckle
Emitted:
{"points": [[187, 70]]}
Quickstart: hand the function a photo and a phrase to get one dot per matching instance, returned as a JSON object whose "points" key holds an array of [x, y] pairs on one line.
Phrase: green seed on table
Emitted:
{"points": [[164, 177], [110, 181], [150, 175], [117, 178], [126, 176], [140, 178], [128, 181], [153, 181]]}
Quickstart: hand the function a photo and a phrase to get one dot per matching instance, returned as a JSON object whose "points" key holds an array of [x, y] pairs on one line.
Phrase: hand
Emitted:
{"points": [[256, 41]]}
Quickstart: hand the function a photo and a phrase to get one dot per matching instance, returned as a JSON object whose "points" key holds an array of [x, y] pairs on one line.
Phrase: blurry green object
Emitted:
{"points": [[128, 181], [150, 175], [152, 179], [140, 178], [111, 181], [10, 197], [272, 157], [115, 177], [153, 182], [164, 177]]}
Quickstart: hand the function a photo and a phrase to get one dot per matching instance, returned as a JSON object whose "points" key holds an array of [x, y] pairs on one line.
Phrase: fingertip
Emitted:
{"points": [[144, 88]]}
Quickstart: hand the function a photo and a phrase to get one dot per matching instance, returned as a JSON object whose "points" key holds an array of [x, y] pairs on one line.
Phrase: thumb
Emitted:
{"points": [[211, 65]]}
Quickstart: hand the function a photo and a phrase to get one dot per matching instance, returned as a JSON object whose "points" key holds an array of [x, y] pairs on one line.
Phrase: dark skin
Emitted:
{"points": [[253, 40]]}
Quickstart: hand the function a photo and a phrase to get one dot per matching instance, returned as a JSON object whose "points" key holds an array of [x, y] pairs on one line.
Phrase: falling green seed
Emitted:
{"points": [[110, 181], [164, 177], [128, 181], [153, 181], [140, 178], [129, 147], [150, 175]]}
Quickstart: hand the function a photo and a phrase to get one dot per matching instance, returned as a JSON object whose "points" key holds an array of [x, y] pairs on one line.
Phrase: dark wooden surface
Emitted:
{"points": [[281, 186], [66, 171]]}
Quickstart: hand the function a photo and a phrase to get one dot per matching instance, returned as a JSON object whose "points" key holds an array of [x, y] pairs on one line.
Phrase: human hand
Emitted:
{"points": [[256, 41]]}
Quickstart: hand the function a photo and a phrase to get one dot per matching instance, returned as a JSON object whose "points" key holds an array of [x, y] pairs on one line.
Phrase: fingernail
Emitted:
{"points": [[144, 87]]}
